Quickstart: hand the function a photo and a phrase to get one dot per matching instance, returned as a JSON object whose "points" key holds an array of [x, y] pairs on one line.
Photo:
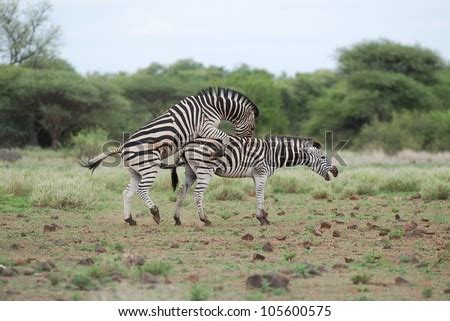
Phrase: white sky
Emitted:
{"points": [[283, 35]]}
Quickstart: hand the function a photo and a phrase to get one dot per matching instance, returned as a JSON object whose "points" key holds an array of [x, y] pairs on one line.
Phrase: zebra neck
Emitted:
{"points": [[287, 153]]}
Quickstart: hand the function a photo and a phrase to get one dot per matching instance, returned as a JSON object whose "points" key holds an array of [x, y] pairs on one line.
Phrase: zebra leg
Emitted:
{"points": [[188, 181], [202, 184], [261, 214], [210, 131], [147, 178], [128, 193]]}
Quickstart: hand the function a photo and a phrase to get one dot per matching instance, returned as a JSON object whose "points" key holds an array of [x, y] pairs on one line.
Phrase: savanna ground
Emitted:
{"points": [[380, 231]]}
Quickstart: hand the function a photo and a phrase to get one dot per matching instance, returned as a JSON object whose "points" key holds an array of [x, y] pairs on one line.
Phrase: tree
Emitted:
{"points": [[416, 62], [26, 33]]}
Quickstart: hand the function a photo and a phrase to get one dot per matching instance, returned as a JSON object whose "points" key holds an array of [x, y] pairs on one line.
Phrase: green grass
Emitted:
{"points": [[361, 278], [83, 281], [199, 293], [396, 233], [157, 268]]}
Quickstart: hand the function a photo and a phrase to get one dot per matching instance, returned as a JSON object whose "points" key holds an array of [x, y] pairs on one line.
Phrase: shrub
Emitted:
{"points": [[157, 268], [83, 281], [199, 293], [396, 234], [361, 278], [288, 185], [63, 193], [435, 191], [228, 193], [88, 142]]}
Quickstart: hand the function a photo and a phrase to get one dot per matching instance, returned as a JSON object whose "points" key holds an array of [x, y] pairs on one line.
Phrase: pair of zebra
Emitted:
{"points": [[190, 128]]}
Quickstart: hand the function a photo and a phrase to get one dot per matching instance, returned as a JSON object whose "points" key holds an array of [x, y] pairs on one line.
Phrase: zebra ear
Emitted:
{"points": [[317, 145]]}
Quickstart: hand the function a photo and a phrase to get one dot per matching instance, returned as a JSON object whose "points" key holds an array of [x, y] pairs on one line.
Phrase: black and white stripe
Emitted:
{"points": [[193, 117], [247, 157]]}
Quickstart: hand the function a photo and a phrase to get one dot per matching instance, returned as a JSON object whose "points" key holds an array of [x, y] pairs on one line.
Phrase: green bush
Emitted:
{"points": [[157, 268], [83, 281], [435, 191], [199, 293], [89, 142]]}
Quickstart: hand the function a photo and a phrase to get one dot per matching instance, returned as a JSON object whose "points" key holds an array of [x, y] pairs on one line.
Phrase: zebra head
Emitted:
{"points": [[319, 162], [245, 126]]}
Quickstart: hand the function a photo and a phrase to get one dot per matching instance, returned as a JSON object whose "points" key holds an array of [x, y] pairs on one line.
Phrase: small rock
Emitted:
{"points": [[287, 271], [134, 260], [352, 226], [410, 226], [338, 222], [325, 225], [192, 278], [247, 237], [408, 258], [348, 260], [258, 257], [54, 217], [116, 278], [339, 266], [399, 280], [148, 278], [281, 213], [307, 245], [317, 232], [45, 266], [6, 271], [28, 271], [415, 233], [86, 261], [174, 245], [372, 226], [15, 246], [99, 248], [384, 232], [424, 220], [447, 291], [397, 217], [267, 247], [336, 234], [49, 228], [356, 207], [281, 237], [275, 280], [23, 234], [60, 242], [353, 198]]}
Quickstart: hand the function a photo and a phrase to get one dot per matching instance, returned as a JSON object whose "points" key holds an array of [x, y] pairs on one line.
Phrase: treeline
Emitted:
{"points": [[382, 95]]}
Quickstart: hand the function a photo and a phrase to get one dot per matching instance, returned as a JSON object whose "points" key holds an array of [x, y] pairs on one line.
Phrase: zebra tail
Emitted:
{"points": [[93, 163], [174, 178]]}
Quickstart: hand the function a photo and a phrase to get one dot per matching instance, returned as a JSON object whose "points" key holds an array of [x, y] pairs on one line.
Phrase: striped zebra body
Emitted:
{"points": [[247, 157], [193, 117]]}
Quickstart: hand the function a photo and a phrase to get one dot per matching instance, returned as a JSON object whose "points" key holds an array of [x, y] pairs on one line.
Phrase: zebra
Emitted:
{"points": [[246, 157], [193, 117]]}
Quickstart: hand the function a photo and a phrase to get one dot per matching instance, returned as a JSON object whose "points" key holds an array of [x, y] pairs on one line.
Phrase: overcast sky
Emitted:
{"points": [[279, 35]]}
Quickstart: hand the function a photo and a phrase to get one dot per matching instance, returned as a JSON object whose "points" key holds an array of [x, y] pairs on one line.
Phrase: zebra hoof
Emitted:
{"points": [[155, 212], [130, 221], [177, 221], [206, 222], [263, 221]]}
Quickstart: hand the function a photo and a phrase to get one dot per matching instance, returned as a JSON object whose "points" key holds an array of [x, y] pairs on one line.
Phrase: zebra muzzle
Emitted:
{"points": [[332, 173]]}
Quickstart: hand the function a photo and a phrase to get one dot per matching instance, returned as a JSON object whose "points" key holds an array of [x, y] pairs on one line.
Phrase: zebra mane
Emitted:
{"points": [[227, 92], [304, 141]]}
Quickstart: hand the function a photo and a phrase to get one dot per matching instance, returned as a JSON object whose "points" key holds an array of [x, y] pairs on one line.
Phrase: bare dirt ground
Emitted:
{"points": [[385, 247]]}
